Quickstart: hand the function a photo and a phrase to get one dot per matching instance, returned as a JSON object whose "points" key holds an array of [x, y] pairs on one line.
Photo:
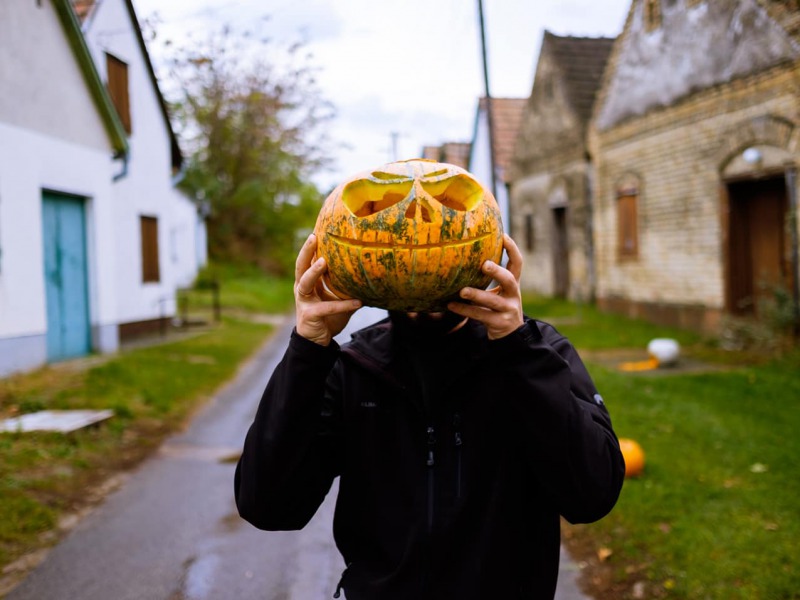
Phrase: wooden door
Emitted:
{"points": [[66, 279], [757, 252]]}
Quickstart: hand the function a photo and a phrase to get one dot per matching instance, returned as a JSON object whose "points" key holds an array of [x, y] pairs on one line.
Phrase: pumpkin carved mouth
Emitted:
{"points": [[342, 241]]}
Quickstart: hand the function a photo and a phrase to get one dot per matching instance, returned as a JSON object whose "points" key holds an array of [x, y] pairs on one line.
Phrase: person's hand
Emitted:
{"points": [[500, 308], [319, 318]]}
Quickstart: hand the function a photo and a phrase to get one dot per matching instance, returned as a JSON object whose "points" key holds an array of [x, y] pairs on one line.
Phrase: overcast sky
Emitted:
{"points": [[411, 68]]}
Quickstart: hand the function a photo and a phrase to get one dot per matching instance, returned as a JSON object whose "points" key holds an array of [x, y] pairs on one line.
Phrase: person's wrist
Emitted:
{"points": [[312, 334]]}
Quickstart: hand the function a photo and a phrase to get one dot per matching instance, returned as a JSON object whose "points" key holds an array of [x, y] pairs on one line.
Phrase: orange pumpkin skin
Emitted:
{"points": [[634, 457], [409, 235]]}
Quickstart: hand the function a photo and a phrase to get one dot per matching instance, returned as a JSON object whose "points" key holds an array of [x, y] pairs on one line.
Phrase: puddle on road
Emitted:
{"points": [[198, 579], [219, 454]]}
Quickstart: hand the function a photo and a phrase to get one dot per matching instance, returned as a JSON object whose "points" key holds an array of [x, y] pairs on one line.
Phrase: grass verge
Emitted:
{"points": [[715, 515], [45, 477]]}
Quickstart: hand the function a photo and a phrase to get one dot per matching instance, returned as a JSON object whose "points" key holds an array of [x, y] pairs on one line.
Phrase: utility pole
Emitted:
{"points": [[394, 135], [488, 99]]}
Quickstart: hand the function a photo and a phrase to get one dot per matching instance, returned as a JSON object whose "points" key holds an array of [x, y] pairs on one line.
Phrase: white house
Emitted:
{"points": [[94, 239], [58, 136], [159, 233], [506, 118]]}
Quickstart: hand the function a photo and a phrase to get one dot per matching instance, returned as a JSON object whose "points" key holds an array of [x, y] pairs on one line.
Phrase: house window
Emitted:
{"points": [[627, 224], [150, 270], [652, 15], [118, 89], [529, 232]]}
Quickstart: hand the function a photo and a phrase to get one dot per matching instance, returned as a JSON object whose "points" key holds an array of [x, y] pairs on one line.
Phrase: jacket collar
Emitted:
{"points": [[377, 349]]}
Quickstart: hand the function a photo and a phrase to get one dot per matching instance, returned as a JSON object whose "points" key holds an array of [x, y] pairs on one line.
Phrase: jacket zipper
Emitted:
{"points": [[430, 463], [458, 443]]}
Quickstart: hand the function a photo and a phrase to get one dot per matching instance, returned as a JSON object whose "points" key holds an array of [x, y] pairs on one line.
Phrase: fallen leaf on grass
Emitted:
{"points": [[604, 553]]}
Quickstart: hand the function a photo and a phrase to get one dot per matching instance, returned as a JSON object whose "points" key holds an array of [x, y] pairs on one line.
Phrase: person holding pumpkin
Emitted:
{"points": [[460, 437]]}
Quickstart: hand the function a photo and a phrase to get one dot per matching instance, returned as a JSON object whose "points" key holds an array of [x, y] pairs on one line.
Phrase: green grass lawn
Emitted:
{"points": [[716, 513], [152, 390]]}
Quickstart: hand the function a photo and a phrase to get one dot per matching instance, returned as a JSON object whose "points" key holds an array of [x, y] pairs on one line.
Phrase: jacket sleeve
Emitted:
{"points": [[290, 454], [566, 436]]}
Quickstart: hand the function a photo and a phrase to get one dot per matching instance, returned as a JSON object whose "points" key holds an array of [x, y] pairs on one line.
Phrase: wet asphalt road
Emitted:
{"points": [[171, 531]]}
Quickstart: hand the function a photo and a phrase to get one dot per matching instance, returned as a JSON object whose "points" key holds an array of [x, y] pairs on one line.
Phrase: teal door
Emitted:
{"points": [[65, 272]]}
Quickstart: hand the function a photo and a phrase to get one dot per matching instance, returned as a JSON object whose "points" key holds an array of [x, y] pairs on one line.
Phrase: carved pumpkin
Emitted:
{"points": [[409, 235], [634, 457]]}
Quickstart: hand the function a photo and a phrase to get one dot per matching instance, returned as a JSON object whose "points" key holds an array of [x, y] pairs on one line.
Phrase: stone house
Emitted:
{"points": [[454, 153], [695, 139], [551, 170]]}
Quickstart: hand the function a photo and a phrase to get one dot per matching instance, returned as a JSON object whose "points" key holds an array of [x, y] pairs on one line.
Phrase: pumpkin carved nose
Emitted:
{"points": [[424, 208]]}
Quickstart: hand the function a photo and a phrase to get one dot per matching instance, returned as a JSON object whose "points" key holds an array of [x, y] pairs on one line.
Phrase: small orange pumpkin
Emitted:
{"points": [[408, 235], [634, 457]]}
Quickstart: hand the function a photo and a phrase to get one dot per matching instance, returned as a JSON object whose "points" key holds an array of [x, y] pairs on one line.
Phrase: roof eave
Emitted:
{"points": [[175, 149], [102, 100]]}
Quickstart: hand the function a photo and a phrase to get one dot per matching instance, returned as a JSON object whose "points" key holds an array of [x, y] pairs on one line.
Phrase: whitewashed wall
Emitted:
{"points": [[480, 164]]}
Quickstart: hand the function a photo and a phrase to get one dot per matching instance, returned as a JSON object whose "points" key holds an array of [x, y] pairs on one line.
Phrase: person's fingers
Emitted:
{"points": [[470, 310], [307, 283], [502, 276], [333, 307], [485, 298], [305, 257], [514, 264]]}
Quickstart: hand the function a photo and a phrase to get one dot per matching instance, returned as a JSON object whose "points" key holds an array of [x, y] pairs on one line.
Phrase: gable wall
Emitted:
{"points": [[550, 153], [550, 129], [43, 88]]}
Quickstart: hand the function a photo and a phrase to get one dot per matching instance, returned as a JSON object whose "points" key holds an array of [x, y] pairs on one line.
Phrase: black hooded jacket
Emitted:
{"points": [[456, 458]]}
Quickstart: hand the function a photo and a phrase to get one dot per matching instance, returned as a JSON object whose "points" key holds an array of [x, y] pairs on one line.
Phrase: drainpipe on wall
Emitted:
{"points": [[178, 177], [791, 188], [124, 172], [489, 118]]}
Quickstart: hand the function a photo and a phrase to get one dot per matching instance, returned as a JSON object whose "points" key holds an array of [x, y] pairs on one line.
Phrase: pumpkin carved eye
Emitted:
{"points": [[459, 193], [364, 197]]}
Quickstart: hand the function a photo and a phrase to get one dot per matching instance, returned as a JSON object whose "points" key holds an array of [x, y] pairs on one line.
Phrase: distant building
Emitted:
{"points": [[506, 118], [454, 153], [551, 169], [693, 134]]}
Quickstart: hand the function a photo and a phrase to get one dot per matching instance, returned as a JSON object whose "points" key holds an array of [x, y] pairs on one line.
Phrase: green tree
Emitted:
{"points": [[252, 119]]}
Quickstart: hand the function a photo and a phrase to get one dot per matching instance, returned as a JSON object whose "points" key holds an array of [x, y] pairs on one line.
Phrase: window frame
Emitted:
{"points": [[148, 231], [118, 84], [628, 224]]}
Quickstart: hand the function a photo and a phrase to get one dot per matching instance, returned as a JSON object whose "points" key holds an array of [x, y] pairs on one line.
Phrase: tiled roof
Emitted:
{"points": [[454, 153], [507, 116], [82, 8], [582, 61]]}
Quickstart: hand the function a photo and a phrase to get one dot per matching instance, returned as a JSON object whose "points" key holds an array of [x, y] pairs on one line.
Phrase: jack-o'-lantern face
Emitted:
{"points": [[409, 235]]}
